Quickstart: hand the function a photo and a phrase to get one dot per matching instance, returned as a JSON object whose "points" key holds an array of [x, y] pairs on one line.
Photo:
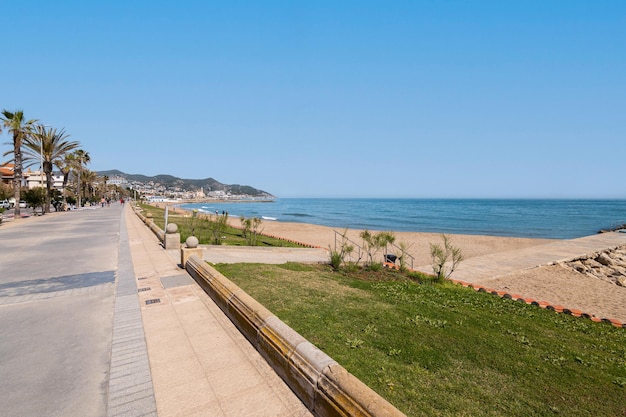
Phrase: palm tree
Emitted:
{"points": [[105, 181], [89, 180], [50, 146], [65, 166], [80, 157], [19, 127]]}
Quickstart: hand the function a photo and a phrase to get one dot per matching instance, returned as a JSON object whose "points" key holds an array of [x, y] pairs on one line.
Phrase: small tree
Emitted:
{"points": [[373, 243], [5, 191], [217, 227], [404, 251], [441, 256], [250, 227], [192, 223], [56, 200], [338, 255], [35, 198]]}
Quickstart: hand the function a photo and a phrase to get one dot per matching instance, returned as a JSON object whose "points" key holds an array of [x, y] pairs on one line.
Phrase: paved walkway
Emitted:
{"points": [[98, 320], [62, 279], [201, 365], [248, 254]]}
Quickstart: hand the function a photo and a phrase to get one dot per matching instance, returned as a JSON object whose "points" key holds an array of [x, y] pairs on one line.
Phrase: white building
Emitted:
{"points": [[37, 179], [119, 181]]}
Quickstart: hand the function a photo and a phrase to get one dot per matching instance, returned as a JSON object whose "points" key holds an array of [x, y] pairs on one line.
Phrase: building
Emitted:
{"points": [[37, 179], [118, 181], [6, 173]]}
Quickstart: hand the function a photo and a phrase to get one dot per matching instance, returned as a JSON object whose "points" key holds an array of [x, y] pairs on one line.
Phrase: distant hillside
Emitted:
{"points": [[207, 184]]}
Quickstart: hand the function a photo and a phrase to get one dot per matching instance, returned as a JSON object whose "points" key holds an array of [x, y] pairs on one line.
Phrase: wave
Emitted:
{"points": [[299, 215]]}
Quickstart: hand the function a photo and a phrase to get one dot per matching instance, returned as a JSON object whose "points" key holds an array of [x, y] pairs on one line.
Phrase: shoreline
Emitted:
{"points": [[556, 284], [529, 218]]}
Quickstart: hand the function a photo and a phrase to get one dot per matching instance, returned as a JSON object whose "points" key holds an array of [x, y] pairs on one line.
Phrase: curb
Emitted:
{"points": [[325, 387], [543, 304]]}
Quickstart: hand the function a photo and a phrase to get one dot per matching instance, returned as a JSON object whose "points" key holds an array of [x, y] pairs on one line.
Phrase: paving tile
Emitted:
{"points": [[175, 373], [196, 354], [193, 395], [252, 402], [204, 410]]}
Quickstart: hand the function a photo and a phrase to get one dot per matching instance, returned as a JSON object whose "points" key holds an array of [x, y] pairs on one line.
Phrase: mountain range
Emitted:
{"points": [[171, 182]]}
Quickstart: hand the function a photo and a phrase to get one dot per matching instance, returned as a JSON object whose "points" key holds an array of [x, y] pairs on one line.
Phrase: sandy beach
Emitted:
{"points": [[555, 284]]}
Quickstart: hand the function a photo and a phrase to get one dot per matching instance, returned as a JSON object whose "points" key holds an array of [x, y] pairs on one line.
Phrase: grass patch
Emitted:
{"points": [[201, 229], [445, 350]]}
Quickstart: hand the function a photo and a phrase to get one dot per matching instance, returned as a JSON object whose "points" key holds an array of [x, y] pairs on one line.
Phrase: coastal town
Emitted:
{"points": [[104, 185]]}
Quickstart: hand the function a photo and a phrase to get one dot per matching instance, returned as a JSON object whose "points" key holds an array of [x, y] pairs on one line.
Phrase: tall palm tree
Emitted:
{"points": [[80, 157], [105, 186], [89, 181], [65, 166], [19, 127], [50, 146]]}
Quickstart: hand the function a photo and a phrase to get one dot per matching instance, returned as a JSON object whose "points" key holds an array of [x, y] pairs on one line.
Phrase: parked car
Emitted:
{"points": [[5, 204], [23, 204]]}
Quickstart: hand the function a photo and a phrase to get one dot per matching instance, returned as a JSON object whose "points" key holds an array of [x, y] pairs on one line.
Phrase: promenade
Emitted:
{"points": [[98, 319], [84, 335]]}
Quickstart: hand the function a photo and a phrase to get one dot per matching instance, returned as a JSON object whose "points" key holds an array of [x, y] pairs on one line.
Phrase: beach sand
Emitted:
{"points": [[554, 284]]}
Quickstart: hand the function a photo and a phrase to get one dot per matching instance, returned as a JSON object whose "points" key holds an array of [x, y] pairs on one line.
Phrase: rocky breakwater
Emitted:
{"points": [[609, 265]]}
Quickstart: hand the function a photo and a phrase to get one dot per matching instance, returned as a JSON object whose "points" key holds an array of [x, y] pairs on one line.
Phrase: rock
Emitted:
{"points": [[609, 266], [579, 266], [604, 259], [592, 263]]}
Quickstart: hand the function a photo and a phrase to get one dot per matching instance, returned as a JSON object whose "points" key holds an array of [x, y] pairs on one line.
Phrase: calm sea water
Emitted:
{"points": [[556, 219]]}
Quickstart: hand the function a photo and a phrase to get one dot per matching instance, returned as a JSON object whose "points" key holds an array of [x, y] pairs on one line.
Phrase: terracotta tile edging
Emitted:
{"points": [[542, 304]]}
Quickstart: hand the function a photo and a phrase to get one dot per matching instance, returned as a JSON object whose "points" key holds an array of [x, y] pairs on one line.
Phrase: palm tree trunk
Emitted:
{"points": [[17, 173], [47, 167]]}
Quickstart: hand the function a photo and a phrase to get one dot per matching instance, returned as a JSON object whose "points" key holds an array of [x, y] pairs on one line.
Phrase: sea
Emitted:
{"points": [[531, 218]]}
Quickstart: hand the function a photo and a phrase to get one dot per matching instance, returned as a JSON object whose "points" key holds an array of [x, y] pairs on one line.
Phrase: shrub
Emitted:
{"points": [[441, 256]]}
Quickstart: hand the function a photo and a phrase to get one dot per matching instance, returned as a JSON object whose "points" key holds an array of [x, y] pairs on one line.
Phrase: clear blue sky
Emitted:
{"points": [[333, 98]]}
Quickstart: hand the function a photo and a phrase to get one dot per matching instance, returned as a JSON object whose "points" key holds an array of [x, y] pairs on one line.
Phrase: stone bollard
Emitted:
{"points": [[172, 237], [190, 248]]}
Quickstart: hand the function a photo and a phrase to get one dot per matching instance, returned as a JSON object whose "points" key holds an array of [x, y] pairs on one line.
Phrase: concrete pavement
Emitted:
{"points": [[57, 295], [201, 364], [248, 254], [97, 319]]}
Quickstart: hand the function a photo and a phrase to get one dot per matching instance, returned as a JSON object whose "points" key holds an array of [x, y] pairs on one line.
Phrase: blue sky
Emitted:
{"points": [[333, 98]]}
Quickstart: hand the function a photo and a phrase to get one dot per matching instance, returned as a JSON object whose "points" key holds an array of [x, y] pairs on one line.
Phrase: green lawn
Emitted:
{"points": [[201, 229], [445, 350]]}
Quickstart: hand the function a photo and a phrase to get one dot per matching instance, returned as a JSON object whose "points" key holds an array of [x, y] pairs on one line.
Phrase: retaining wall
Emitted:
{"points": [[325, 387]]}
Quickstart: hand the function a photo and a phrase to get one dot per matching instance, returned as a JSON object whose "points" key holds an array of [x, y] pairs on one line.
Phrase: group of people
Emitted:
{"points": [[107, 201]]}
